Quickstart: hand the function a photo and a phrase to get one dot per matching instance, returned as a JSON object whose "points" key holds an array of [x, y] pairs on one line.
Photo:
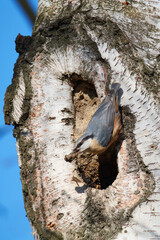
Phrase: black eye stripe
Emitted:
{"points": [[84, 139]]}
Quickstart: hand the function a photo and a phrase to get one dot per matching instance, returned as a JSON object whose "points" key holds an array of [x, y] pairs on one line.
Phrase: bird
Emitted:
{"points": [[126, 2], [104, 126]]}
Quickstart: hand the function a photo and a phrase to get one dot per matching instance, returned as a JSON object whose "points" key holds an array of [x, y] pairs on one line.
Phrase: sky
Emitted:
{"points": [[14, 224]]}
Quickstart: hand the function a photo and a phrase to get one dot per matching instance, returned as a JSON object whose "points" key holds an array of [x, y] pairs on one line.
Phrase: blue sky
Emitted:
{"points": [[13, 222]]}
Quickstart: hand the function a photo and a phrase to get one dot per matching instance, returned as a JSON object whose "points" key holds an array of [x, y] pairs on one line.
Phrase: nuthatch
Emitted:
{"points": [[104, 126], [126, 2]]}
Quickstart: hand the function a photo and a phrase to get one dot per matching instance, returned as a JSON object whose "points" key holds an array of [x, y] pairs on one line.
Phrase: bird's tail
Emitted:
{"points": [[115, 86], [117, 93]]}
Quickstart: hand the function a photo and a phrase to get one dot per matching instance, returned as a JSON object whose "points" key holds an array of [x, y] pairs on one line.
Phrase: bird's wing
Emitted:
{"points": [[102, 122]]}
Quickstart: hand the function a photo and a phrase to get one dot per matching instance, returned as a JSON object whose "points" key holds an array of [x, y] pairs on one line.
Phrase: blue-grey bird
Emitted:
{"points": [[104, 126]]}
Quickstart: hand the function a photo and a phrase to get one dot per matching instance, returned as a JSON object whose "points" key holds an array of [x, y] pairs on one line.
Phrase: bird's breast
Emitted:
{"points": [[95, 147]]}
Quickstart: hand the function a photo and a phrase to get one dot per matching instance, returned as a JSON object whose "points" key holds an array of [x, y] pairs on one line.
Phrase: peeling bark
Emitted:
{"points": [[76, 50]]}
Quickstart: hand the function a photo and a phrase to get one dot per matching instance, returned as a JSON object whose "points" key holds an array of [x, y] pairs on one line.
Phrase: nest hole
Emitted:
{"points": [[96, 171]]}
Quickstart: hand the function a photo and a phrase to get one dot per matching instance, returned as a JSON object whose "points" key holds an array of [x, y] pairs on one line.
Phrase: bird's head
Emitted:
{"points": [[83, 143]]}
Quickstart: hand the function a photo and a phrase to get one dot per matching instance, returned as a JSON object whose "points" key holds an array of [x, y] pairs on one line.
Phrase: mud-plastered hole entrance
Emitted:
{"points": [[97, 171]]}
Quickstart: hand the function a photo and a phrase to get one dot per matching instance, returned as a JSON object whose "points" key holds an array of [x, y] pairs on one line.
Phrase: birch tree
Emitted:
{"points": [[77, 49]]}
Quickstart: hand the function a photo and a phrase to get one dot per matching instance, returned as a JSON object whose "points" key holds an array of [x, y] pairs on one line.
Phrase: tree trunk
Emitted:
{"points": [[76, 50]]}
